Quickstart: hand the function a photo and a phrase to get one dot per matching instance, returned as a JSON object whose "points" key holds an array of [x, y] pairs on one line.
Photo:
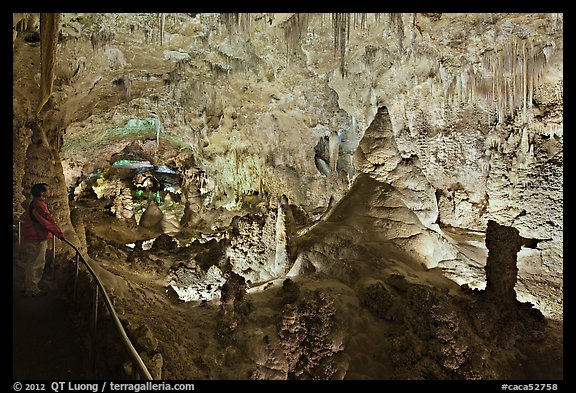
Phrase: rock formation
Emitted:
{"points": [[379, 162]]}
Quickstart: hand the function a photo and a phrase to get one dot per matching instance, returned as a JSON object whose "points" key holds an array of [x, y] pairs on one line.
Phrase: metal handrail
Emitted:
{"points": [[134, 356]]}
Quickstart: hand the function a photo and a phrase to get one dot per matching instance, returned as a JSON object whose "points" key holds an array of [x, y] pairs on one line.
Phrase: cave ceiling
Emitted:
{"points": [[247, 83]]}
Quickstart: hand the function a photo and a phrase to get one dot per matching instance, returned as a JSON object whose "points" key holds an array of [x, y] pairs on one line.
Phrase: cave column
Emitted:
{"points": [[43, 165]]}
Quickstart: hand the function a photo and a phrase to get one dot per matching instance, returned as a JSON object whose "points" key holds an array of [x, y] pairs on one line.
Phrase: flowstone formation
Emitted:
{"points": [[380, 155]]}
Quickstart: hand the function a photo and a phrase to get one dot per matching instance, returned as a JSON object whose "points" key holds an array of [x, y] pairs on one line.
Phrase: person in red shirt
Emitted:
{"points": [[39, 227]]}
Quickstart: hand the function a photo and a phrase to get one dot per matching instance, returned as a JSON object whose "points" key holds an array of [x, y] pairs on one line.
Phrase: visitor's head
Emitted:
{"points": [[38, 189]]}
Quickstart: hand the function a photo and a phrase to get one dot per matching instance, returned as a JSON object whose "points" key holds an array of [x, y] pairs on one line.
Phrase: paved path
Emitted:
{"points": [[46, 345]]}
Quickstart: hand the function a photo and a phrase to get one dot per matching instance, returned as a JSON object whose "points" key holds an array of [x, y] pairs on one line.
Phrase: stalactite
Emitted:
{"points": [[348, 28], [459, 88], [524, 75], [533, 82], [467, 85], [533, 73], [245, 23], [558, 21], [360, 21], [124, 83], [49, 29], [230, 20], [472, 88], [101, 39], [515, 71], [396, 21], [510, 95], [492, 72], [294, 29], [370, 53], [20, 21], [339, 23], [296, 26], [161, 23], [237, 23]]}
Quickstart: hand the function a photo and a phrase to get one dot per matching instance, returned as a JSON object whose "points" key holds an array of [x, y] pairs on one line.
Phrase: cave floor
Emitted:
{"points": [[46, 344]]}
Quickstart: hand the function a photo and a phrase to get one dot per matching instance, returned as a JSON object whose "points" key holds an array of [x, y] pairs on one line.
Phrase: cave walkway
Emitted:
{"points": [[46, 345]]}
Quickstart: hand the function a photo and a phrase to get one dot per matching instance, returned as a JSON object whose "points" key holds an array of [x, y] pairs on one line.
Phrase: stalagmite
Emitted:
{"points": [[334, 146], [158, 127], [281, 238], [503, 244]]}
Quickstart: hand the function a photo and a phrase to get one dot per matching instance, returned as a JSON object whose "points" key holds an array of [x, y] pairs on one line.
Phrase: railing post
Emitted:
{"points": [[135, 374], [53, 260], [141, 371], [76, 278], [93, 327], [139, 368]]}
